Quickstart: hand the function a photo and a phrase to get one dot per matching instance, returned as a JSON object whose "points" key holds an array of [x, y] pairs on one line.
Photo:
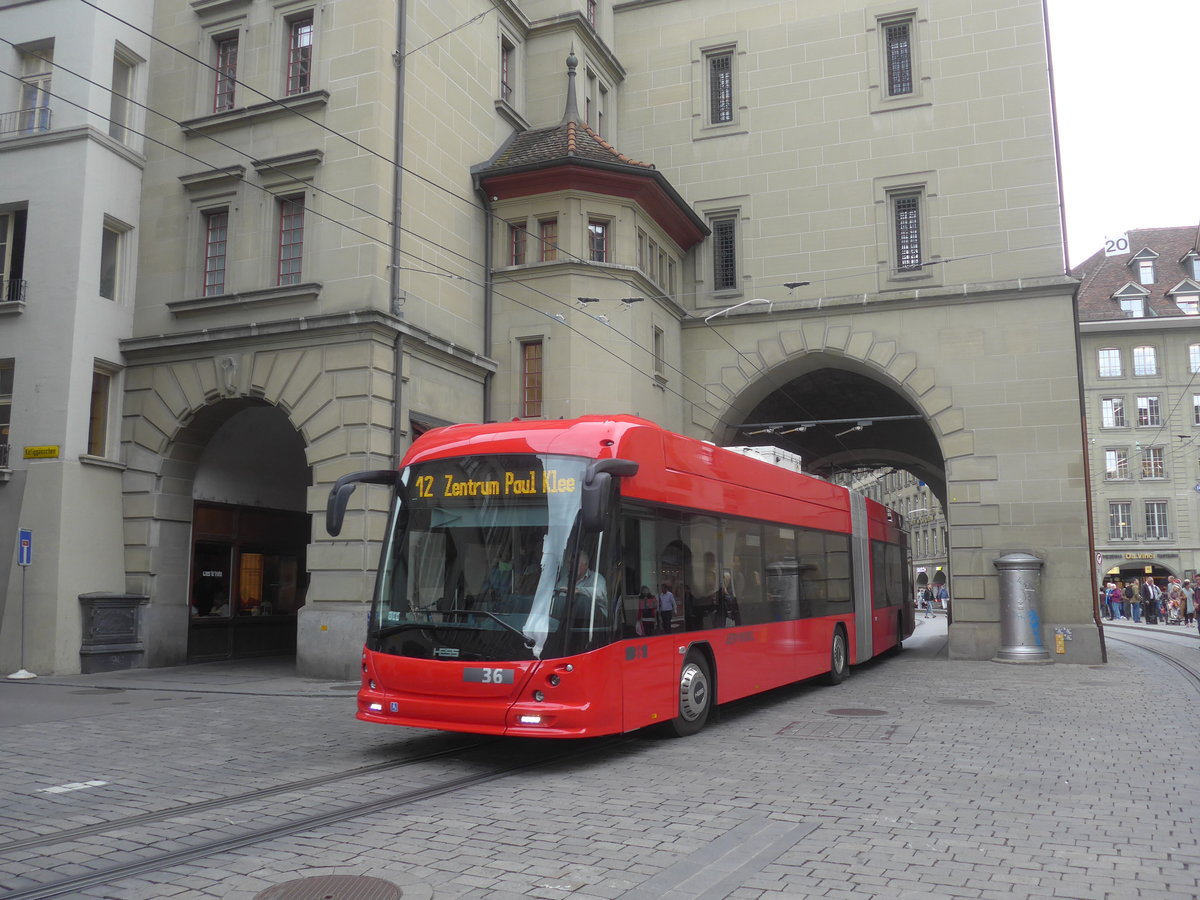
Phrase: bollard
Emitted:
{"points": [[1020, 609]]}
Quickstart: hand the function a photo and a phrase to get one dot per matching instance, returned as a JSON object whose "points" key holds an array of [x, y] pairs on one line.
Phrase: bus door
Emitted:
{"points": [[647, 656], [866, 617]]}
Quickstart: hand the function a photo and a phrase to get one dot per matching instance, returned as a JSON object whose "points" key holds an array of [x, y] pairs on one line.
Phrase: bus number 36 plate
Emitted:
{"points": [[489, 676]]}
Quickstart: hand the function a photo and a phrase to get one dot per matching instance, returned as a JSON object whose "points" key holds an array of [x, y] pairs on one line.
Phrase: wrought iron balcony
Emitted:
{"points": [[12, 290], [25, 121]]}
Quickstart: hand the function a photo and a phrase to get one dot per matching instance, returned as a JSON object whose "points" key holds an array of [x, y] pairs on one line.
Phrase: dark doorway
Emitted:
{"points": [[248, 580]]}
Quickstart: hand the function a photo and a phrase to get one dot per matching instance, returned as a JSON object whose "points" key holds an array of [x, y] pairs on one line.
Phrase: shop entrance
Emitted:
{"points": [[248, 580]]}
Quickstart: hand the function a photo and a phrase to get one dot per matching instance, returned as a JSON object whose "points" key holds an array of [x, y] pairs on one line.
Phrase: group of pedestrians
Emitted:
{"points": [[1142, 599]]}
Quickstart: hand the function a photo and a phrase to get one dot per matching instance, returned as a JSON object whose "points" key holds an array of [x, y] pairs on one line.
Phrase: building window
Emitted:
{"points": [[591, 12], [652, 261], [897, 38], [118, 106], [1196, 409], [291, 239], [97, 443], [1194, 358], [660, 366], [1145, 361], [906, 212], [720, 87], [1145, 271], [1189, 304], [1133, 307], [36, 69], [12, 256], [548, 237], [641, 250], [597, 240], [1153, 465], [299, 63], [216, 237], [1109, 360], [725, 268], [1156, 519], [1148, 411], [112, 240], [1193, 264], [531, 379], [508, 70], [6, 392], [1112, 412], [516, 244], [225, 83], [1120, 528]]}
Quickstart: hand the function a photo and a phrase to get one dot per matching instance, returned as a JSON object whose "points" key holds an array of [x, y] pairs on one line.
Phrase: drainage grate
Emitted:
{"points": [[333, 887], [849, 731]]}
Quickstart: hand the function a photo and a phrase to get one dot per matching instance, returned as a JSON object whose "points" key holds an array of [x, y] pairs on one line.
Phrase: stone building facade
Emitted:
{"points": [[357, 221], [1138, 302]]}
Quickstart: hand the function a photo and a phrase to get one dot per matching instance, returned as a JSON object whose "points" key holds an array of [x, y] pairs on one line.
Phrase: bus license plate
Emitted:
{"points": [[488, 676]]}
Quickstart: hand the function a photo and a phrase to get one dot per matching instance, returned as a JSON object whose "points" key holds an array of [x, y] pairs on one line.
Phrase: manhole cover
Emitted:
{"points": [[852, 711], [333, 887], [963, 701]]}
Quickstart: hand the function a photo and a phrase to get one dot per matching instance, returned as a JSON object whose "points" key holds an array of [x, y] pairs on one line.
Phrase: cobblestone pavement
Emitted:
{"points": [[971, 779]]}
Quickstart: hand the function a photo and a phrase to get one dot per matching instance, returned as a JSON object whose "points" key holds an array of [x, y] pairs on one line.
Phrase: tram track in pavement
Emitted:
{"points": [[193, 846], [1191, 674]]}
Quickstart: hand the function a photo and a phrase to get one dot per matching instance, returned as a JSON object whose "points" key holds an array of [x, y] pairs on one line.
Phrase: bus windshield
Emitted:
{"points": [[484, 559]]}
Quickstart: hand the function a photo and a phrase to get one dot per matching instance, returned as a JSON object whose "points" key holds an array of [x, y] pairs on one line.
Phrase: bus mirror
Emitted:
{"points": [[597, 489], [339, 495]]}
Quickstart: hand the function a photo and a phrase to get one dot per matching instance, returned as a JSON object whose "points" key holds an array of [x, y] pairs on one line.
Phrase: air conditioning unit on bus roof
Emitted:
{"points": [[774, 455]]}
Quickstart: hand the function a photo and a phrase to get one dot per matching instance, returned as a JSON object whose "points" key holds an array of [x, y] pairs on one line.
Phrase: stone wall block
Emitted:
{"points": [[860, 344]]}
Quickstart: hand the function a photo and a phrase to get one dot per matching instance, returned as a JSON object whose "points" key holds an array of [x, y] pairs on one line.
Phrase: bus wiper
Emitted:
{"points": [[529, 642]]}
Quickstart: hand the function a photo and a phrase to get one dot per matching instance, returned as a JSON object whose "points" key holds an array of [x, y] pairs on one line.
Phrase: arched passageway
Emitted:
{"points": [[250, 531]]}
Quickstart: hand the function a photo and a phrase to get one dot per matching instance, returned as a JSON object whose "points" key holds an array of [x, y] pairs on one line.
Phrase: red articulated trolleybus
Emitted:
{"points": [[599, 575]]}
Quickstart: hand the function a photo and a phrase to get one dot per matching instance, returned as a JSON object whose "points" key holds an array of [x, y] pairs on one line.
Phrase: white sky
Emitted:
{"points": [[1125, 76]]}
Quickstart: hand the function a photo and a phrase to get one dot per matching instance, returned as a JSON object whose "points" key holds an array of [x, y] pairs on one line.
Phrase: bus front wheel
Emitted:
{"points": [[839, 659], [695, 695]]}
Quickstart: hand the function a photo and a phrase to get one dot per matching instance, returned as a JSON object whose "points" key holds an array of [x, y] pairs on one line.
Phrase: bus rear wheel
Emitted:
{"points": [[839, 659], [695, 695]]}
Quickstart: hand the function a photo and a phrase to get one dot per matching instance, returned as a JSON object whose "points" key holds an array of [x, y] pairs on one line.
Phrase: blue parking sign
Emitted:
{"points": [[24, 546]]}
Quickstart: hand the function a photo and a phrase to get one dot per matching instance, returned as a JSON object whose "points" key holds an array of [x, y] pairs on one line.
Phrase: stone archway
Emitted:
{"points": [[1001, 410], [177, 403]]}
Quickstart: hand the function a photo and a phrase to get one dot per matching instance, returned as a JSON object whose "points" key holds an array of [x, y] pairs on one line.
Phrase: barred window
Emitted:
{"points": [[531, 379], [907, 209], [720, 87], [1112, 412], [898, 44], [1119, 525], [724, 254]]}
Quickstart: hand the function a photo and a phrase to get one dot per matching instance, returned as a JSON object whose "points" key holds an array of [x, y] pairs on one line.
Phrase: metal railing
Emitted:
{"points": [[12, 290], [25, 121]]}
